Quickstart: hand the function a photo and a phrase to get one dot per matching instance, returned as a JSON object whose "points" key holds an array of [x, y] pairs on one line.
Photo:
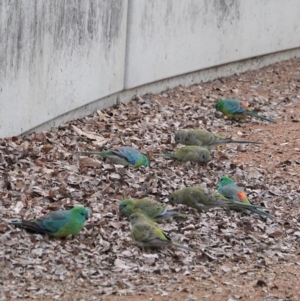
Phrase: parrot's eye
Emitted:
{"points": [[132, 217], [84, 214]]}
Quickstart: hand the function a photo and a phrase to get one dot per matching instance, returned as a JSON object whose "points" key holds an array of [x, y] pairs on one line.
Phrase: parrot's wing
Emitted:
{"points": [[206, 137], [143, 232], [230, 191], [153, 209], [130, 154], [158, 211], [204, 199], [159, 238], [55, 221], [234, 107]]}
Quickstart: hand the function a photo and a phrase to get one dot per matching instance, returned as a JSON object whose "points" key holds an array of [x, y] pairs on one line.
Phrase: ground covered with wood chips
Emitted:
{"points": [[255, 258]]}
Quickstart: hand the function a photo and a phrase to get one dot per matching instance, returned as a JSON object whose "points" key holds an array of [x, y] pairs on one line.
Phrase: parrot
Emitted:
{"points": [[193, 153], [124, 155], [203, 199], [234, 108], [205, 138], [146, 234], [229, 189], [58, 224], [151, 208]]}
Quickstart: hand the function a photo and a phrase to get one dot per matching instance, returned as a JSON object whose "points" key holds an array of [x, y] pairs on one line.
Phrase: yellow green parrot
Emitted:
{"points": [[151, 208], [230, 190], [191, 153], [236, 109], [205, 139], [146, 234], [204, 199], [124, 155], [58, 224]]}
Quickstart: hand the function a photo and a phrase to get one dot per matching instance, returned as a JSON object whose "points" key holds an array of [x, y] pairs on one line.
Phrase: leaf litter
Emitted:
{"points": [[42, 172]]}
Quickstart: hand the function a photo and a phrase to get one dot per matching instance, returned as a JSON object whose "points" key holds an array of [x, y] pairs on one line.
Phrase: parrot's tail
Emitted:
{"points": [[175, 244], [103, 153], [262, 213], [241, 205], [262, 117], [169, 214], [253, 208], [165, 155], [230, 140], [31, 226]]}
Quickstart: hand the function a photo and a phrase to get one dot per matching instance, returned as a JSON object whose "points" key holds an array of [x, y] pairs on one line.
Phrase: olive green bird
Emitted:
{"points": [[58, 224], [230, 190], [146, 234], [151, 208], [192, 153], [124, 155], [204, 199], [205, 138], [236, 109]]}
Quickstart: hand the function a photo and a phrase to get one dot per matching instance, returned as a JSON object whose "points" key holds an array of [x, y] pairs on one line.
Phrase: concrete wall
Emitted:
{"points": [[174, 37], [62, 59], [56, 56]]}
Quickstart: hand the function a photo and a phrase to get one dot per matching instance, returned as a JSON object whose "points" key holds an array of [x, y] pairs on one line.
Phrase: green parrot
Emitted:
{"points": [[124, 155], [205, 139], [236, 109], [58, 224], [229, 189], [204, 199], [193, 153], [151, 208], [146, 234]]}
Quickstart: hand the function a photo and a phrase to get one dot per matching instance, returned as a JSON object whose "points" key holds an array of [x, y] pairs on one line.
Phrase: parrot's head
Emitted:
{"points": [[80, 213], [137, 217], [142, 161], [204, 155], [219, 105], [225, 180], [126, 207], [175, 197], [145, 161], [180, 136]]}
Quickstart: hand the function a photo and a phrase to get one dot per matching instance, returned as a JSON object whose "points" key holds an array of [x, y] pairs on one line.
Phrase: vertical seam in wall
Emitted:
{"points": [[129, 5]]}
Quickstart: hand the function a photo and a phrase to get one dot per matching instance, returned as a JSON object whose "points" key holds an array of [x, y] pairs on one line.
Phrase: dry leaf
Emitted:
{"points": [[39, 174], [90, 135]]}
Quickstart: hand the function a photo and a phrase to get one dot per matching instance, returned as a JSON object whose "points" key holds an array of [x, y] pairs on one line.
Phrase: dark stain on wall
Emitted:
{"points": [[225, 10], [30, 28]]}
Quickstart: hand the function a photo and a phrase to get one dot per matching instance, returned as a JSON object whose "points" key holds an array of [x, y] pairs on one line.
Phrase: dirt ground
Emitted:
{"points": [[249, 257]]}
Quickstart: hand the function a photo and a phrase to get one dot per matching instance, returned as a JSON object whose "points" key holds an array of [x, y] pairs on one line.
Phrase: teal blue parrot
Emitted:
{"points": [[124, 155], [236, 109], [58, 224], [230, 190]]}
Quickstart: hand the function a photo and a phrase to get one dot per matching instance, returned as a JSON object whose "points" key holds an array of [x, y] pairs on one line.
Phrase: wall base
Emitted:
{"points": [[184, 80]]}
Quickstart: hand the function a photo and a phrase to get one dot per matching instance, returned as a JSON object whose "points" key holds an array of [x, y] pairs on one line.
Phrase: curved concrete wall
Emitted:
{"points": [[62, 59], [173, 37]]}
